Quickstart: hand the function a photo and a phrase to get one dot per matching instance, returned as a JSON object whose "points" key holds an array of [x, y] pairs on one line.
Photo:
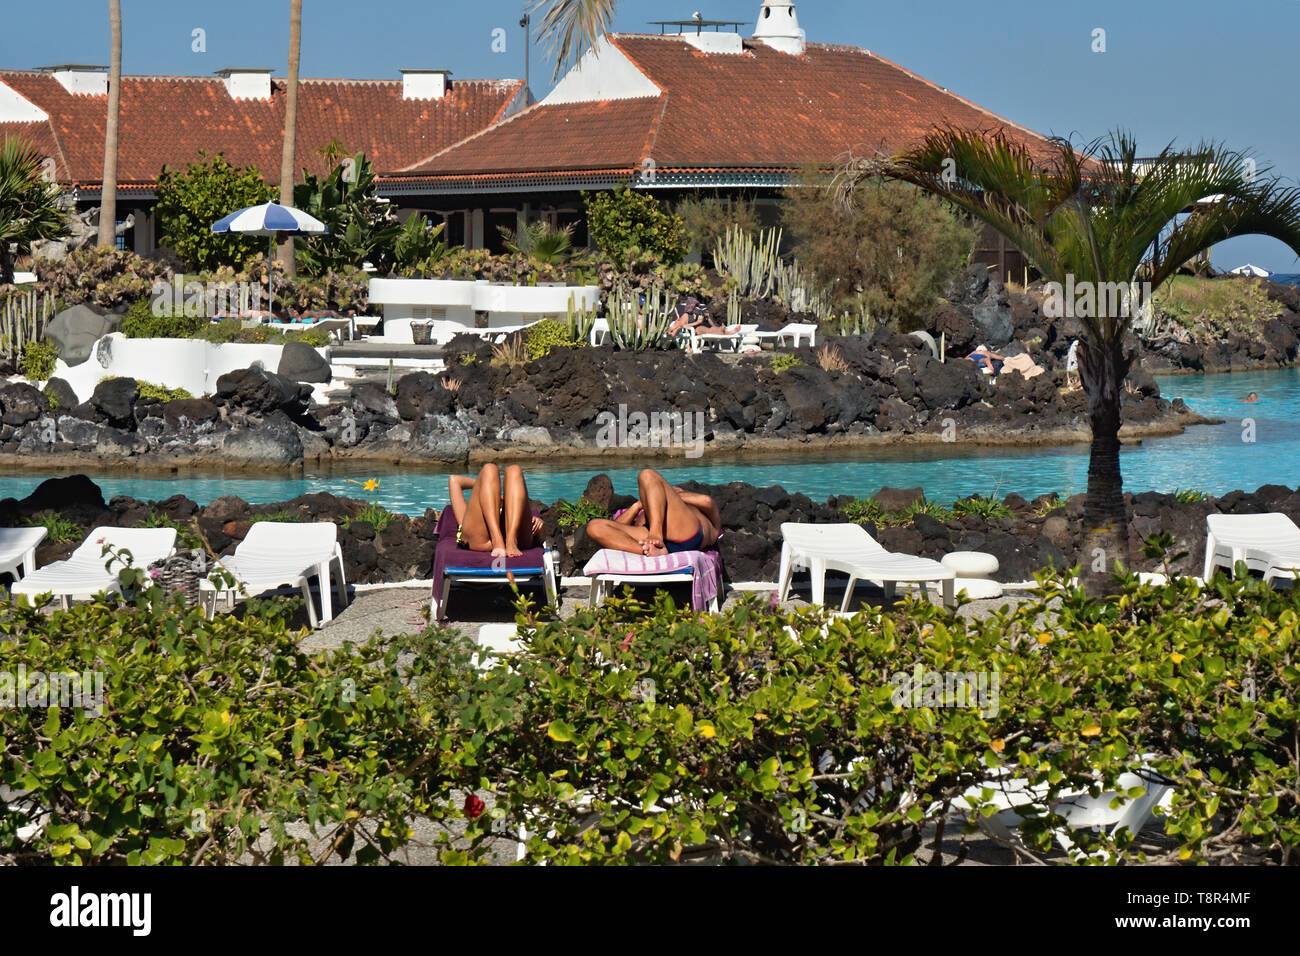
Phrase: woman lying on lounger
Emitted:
{"points": [[665, 520], [491, 521]]}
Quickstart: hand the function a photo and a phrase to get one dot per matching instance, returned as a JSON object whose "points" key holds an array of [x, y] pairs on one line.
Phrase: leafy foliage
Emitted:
{"points": [[58, 529], [1215, 308], [29, 205], [576, 514], [140, 323], [187, 534], [541, 337], [705, 219], [361, 227], [419, 245], [621, 218], [781, 361], [101, 276], [190, 202], [540, 243], [37, 362], [981, 506], [149, 392], [889, 255]]}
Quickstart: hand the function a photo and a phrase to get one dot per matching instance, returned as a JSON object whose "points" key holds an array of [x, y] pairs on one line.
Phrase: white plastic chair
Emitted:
{"points": [[278, 553], [18, 550], [794, 331], [720, 339], [848, 548], [84, 575], [1268, 543], [599, 332]]}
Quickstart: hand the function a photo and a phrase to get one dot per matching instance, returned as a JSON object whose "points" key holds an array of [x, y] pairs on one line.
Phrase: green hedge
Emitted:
{"points": [[653, 734]]}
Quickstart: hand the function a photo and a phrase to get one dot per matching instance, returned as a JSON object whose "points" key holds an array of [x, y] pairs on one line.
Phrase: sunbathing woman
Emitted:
{"points": [[665, 520], [491, 521]]}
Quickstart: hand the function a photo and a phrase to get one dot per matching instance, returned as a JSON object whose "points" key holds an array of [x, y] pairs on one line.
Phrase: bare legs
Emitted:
{"points": [[666, 514], [481, 519]]}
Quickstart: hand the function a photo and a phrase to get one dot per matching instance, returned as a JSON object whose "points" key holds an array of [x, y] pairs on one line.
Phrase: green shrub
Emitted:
{"points": [[548, 334], [220, 741], [373, 514], [576, 514], [190, 202], [619, 219], [280, 515], [656, 735], [101, 276], [59, 530], [140, 323], [1189, 495], [784, 360], [148, 392], [981, 506], [864, 511], [37, 363], [1215, 308]]}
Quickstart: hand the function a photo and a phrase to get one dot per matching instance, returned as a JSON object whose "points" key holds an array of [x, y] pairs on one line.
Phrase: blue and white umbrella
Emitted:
{"points": [[270, 219]]}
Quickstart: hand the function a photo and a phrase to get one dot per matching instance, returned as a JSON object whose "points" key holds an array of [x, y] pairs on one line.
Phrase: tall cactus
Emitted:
{"points": [[578, 322], [636, 327]]}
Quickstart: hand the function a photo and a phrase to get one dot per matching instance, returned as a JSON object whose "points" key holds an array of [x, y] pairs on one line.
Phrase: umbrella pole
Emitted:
{"points": [[270, 277]]}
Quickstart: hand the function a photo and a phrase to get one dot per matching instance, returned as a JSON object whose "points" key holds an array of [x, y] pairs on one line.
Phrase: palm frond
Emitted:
{"points": [[571, 27]]}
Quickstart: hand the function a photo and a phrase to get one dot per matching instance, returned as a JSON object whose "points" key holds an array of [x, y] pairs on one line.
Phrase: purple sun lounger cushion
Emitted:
{"points": [[449, 559]]}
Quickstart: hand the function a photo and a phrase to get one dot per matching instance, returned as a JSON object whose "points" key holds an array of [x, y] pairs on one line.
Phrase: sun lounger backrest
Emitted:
{"points": [[146, 545], [1266, 528], [313, 539]]}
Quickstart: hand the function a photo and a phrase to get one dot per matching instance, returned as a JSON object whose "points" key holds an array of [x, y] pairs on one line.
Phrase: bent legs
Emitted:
{"points": [[519, 517], [666, 515]]}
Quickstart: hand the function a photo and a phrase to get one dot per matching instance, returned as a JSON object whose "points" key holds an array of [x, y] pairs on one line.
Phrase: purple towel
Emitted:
{"points": [[447, 554], [705, 568]]}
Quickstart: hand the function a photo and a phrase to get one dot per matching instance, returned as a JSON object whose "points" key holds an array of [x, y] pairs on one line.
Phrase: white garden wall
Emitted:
{"points": [[191, 364], [455, 302]]}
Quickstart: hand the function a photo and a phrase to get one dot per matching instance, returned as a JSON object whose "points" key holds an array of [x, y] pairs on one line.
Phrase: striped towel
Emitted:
{"points": [[705, 568]]}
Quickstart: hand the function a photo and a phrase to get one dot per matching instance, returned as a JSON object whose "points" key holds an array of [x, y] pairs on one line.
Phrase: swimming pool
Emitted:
{"points": [[1258, 444]]}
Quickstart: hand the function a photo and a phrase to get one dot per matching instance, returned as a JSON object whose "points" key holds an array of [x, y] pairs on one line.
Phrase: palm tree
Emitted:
{"points": [[541, 243], [29, 206], [108, 193], [1099, 219], [285, 252], [571, 26]]}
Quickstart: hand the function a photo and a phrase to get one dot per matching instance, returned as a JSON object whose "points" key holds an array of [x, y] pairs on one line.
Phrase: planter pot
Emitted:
{"points": [[422, 333]]}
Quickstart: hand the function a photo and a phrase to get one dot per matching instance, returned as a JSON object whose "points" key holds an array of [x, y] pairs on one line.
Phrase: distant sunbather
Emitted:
{"points": [[665, 520], [984, 357], [491, 521]]}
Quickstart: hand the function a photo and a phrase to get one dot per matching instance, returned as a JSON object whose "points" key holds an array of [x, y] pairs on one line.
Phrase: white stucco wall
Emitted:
{"points": [[603, 73], [505, 305], [191, 364]]}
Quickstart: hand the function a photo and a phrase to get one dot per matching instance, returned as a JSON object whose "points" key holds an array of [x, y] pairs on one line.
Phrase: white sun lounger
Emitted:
{"points": [[848, 548], [795, 332], [1267, 543], [83, 574], [599, 332], [732, 340], [18, 550], [1079, 810], [278, 553]]}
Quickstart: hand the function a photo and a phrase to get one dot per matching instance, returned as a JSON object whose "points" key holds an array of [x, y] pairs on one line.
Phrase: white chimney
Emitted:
{"points": [[81, 80], [424, 84], [247, 84], [778, 27]]}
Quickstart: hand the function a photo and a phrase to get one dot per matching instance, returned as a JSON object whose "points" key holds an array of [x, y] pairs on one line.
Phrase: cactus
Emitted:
{"points": [[578, 322], [23, 318], [637, 327]]}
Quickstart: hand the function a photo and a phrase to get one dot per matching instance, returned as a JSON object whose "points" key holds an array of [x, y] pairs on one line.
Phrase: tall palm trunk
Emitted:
{"points": [[285, 252], [108, 195], [1103, 368]]}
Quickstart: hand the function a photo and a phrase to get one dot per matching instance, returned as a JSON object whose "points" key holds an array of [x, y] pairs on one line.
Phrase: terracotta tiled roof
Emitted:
{"points": [[167, 120], [757, 109]]}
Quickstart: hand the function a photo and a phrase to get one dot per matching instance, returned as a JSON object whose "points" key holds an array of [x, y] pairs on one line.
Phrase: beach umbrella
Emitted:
{"points": [[268, 219]]}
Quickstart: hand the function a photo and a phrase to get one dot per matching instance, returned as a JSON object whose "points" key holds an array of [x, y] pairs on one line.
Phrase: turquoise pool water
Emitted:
{"points": [[1212, 458]]}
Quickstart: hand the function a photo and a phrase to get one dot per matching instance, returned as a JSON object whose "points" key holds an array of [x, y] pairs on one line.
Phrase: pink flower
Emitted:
{"points": [[627, 641], [99, 541], [155, 573]]}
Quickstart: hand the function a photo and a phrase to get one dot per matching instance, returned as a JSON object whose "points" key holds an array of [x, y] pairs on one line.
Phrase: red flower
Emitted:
{"points": [[627, 641], [473, 807]]}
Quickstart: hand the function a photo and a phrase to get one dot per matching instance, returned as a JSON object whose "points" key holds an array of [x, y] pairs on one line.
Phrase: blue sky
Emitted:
{"points": [[1182, 70]]}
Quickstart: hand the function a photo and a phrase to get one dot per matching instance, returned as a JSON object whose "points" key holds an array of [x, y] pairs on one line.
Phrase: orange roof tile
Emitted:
{"points": [[758, 109], [167, 120]]}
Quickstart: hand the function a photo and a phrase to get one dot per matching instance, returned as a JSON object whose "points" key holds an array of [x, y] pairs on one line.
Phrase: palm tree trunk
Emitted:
{"points": [[285, 252], [6, 264], [108, 195], [1103, 368]]}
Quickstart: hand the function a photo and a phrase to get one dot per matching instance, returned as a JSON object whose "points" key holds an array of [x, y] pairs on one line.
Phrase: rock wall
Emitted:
{"points": [[1035, 536]]}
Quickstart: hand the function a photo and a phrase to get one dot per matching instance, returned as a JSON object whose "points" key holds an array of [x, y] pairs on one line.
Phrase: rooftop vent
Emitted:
{"points": [[778, 27], [247, 83], [425, 84], [80, 79]]}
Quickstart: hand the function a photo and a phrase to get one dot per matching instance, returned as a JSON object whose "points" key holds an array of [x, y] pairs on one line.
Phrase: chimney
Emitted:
{"points": [[247, 83], [778, 27], [80, 79], [425, 84]]}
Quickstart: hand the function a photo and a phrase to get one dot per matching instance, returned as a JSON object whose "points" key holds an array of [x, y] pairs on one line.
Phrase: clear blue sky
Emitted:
{"points": [[1182, 70]]}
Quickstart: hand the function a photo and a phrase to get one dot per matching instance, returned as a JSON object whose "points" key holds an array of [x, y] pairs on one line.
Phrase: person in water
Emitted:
{"points": [[1251, 398], [492, 521], [665, 520]]}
